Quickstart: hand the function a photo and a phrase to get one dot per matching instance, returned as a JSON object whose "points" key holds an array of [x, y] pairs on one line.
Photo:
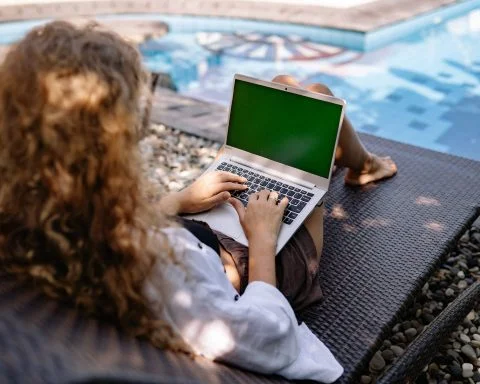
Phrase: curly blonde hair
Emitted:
{"points": [[73, 217]]}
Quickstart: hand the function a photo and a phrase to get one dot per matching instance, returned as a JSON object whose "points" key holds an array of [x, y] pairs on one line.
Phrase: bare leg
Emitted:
{"points": [[364, 167], [314, 225]]}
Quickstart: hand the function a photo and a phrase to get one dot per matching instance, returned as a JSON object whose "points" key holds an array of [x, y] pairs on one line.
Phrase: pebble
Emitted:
{"points": [[464, 338], [465, 238], [416, 324], [365, 379], [462, 284], [410, 333], [471, 315], [456, 371], [476, 336], [453, 354], [467, 374], [449, 292], [476, 223], [377, 363], [433, 369], [476, 376], [407, 324], [475, 343], [428, 318], [461, 274], [388, 355], [476, 237], [398, 351], [399, 337], [469, 352]]}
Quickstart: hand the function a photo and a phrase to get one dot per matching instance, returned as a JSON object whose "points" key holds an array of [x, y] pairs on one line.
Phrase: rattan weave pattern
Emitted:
{"points": [[383, 241]]}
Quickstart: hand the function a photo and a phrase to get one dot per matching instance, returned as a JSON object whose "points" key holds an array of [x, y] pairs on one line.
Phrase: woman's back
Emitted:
{"points": [[72, 215]]}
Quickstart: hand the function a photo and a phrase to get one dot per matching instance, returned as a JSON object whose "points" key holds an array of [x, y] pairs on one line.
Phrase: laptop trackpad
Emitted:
{"points": [[224, 219]]}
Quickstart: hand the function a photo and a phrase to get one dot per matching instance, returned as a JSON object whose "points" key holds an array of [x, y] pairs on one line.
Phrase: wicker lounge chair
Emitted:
{"points": [[381, 244]]}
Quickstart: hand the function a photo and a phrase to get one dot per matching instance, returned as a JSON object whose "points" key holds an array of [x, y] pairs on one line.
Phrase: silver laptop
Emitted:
{"points": [[280, 138]]}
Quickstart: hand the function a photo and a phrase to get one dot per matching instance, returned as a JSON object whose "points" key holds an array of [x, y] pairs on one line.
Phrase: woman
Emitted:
{"points": [[74, 219]]}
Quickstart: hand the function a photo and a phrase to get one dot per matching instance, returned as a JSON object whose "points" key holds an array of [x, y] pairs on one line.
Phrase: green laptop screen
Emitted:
{"points": [[281, 126]]}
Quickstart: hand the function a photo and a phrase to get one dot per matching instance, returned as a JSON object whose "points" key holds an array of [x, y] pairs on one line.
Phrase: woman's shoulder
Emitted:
{"points": [[183, 241], [192, 255]]}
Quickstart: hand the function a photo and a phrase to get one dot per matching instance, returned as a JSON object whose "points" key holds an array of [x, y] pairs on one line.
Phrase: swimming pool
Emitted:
{"points": [[423, 89]]}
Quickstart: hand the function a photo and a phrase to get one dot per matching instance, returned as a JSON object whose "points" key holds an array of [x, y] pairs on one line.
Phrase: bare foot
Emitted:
{"points": [[376, 168]]}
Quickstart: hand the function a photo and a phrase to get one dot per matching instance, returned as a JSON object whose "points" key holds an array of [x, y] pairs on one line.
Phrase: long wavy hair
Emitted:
{"points": [[73, 216]]}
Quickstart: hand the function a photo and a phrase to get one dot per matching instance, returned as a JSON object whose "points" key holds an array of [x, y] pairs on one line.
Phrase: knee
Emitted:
{"points": [[320, 88], [285, 79]]}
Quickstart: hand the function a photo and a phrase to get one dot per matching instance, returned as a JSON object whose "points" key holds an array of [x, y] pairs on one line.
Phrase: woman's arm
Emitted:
{"points": [[206, 192], [171, 204], [261, 222]]}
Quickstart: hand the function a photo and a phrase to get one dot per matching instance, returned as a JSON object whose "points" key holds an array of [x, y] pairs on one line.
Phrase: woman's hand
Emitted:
{"points": [[261, 222], [208, 191], [263, 216]]}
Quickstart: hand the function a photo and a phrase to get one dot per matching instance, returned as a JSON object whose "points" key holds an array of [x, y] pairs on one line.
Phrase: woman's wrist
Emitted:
{"points": [[267, 241], [172, 204], [262, 260]]}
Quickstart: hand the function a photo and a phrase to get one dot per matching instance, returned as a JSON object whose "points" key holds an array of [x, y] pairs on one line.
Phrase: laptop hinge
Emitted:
{"points": [[272, 172]]}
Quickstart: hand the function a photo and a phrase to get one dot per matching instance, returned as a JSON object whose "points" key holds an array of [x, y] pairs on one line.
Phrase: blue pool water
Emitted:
{"points": [[423, 89]]}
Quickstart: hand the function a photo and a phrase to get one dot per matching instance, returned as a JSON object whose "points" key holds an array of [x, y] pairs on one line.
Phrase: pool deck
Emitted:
{"points": [[190, 115], [359, 16]]}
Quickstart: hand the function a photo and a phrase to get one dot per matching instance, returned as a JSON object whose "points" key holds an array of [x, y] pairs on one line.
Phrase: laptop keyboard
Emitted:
{"points": [[297, 197]]}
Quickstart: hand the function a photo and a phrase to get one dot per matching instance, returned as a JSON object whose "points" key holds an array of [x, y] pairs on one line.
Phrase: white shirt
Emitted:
{"points": [[256, 331]]}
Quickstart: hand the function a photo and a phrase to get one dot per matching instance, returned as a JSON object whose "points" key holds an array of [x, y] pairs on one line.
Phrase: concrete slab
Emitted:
{"points": [[358, 16], [190, 115]]}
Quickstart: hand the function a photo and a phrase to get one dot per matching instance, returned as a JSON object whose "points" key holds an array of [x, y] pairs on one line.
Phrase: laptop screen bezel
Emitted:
{"points": [[318, 181]]}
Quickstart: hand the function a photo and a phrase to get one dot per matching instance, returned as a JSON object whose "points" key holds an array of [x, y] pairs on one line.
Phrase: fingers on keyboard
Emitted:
{"points": [[298, 198]]}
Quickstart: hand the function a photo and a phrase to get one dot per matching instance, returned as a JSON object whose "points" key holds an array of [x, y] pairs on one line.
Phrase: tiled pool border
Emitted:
{"points": [[354, 40]]}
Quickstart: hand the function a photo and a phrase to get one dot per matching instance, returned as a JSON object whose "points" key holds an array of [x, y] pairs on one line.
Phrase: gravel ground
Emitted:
{"points": [[173, 159]]}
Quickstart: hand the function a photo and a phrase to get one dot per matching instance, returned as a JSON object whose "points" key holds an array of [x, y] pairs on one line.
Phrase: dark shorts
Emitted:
{"points": [[296, 268], [296, 264]]}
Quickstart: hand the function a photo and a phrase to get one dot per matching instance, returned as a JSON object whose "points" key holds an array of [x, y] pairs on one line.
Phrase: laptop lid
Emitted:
{"points": [[284, 128]]}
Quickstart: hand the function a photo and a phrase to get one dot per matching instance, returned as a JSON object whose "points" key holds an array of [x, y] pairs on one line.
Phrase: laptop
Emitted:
{"points": [[279, 138]]}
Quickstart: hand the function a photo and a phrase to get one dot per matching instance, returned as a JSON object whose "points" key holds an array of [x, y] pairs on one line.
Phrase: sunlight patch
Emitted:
{"points": [[214, 338], [435, 226], [429, 201], [377, 223], [183, 298], [339, 213]]}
